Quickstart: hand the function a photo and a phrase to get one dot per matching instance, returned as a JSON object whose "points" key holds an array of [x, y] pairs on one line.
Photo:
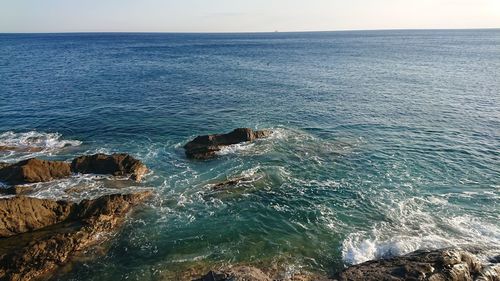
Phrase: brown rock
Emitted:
{"points": [[20, 148], [438, 265], [87, 221], [205, 147], [34, 170], [22, 214], [238, 273], [116, 164]]}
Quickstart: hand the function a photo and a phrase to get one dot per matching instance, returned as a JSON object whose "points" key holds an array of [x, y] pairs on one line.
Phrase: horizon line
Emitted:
{"points": [[249, 32]]}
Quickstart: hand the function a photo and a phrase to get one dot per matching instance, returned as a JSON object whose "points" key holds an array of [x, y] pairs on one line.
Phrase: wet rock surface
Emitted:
{"points": [[438, 265], [34, 170], [28, 258], [250, 273], [239, 273], [206, 147], [119, 164], [228, 183], [20, 149]]}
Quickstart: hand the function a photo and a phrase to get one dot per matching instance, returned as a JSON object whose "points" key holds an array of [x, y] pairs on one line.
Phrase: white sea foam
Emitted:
{"points": [[412, 228], [32, 144], [36, 139], [235, 148]]}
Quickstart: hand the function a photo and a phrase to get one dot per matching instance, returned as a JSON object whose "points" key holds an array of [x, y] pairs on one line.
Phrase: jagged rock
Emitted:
{"points": [[205, 147], [16, 190], [437, 265], [34, 170], [22, 214], [238, 273], [119, 164], [88, 221]]}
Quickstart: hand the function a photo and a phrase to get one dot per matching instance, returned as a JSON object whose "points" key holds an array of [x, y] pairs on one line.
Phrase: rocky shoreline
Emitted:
{"points": [[39, 235], [35, 170], [452, 264]]}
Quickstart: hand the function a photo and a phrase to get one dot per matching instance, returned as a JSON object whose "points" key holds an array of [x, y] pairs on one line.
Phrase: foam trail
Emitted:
{"points": [[31, 144], [420, 229]]}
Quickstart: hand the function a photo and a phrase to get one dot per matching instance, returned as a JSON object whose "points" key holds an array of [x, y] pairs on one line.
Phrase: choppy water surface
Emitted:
{"points": [[384, 142]]}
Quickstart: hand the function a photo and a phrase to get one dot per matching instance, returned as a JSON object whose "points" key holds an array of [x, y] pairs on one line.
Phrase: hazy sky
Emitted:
{"points": [[239, 15]]}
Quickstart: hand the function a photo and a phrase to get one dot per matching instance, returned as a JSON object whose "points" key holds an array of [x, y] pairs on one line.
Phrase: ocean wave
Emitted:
{"points": [[33, 143], [411, 227]]}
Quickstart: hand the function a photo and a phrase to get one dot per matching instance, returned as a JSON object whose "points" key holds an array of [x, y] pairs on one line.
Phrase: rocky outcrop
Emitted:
{"points": [[34, 170], [22, 214], [119, 164], [206, 147], [438, 265], [84, 223], [250, 273], [238, 273]]}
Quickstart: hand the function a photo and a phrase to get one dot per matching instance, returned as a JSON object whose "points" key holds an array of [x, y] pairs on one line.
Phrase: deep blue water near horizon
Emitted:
{"points": [[384, 142]]}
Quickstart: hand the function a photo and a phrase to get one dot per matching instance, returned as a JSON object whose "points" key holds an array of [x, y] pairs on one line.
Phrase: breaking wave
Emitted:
{"points": [[30, 144]]}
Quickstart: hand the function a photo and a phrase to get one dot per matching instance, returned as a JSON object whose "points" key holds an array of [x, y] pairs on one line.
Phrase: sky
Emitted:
{"points": [[243, 16]]}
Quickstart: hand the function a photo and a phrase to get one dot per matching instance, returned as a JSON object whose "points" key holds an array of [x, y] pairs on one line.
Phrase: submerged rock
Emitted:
{"points": [[250, 273], [88, 220], [238, 273], [205, 147], [119, 164], [20, 148], [228, 183], [437, 265], [34, 170]]}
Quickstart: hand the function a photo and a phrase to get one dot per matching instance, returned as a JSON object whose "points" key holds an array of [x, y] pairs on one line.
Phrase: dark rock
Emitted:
{"points": [[34, 170], [205, 147], [495, 259], [16, 190], [438, 265], [89, 220], [237, 273], [228, 183], [116, 164]]}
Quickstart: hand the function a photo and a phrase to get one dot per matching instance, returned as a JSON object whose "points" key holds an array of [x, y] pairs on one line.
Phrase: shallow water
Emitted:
{"points": [[384, 142]]}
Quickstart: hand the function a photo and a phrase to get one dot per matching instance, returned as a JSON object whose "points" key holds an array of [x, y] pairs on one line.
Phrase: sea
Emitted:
{"points": [[383, 143]]}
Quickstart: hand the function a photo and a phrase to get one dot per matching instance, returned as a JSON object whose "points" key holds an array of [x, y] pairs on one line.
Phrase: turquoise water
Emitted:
{"points": [[384, 142]]}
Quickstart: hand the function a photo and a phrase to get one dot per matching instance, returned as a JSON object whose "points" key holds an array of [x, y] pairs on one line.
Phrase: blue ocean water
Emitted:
{"points": [[384, 142]]}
